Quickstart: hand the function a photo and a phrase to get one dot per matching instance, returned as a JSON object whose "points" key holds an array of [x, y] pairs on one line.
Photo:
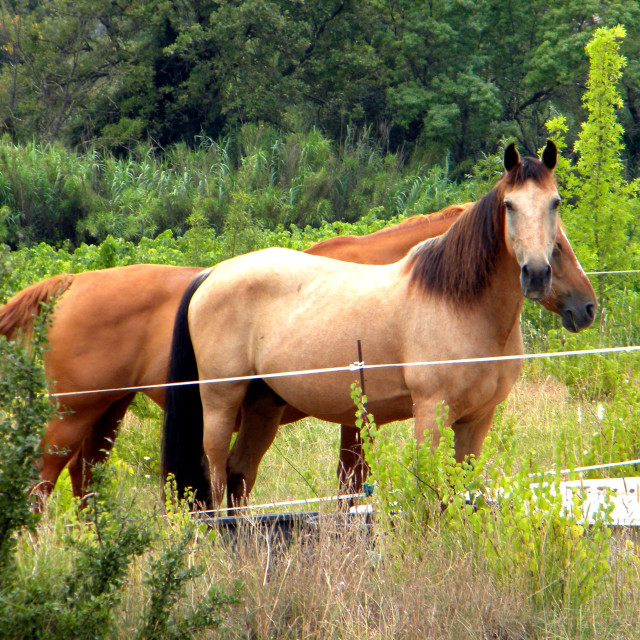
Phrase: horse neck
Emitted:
{"points": [[459, 264], [470, 268], [414, 230], [392, 243], [502, 302], [427, 226]]}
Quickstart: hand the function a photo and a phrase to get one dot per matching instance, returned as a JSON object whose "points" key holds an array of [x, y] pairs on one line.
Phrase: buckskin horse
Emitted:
{"points": [[455, 296], [111, 328]]}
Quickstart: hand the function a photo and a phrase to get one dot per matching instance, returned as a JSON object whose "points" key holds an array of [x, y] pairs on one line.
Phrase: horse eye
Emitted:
{"points": [[508, 205], [555, 203]]}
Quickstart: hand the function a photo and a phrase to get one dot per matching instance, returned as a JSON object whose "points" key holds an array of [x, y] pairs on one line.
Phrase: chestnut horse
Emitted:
{"points": [[100, 339], [456, 296]]}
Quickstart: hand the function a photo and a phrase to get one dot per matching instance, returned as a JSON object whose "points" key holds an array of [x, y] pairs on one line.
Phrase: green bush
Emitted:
{"points": [[498, 507], [76, 586], [24, 410], [54, 195]]}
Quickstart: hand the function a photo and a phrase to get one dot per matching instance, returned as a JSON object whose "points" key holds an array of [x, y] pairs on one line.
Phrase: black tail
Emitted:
{"points": [[182, 448]]}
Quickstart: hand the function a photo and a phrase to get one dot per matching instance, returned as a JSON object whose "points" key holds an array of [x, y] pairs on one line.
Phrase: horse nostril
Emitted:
{"points": [[590, 308], [538, 272], [569, 321]]}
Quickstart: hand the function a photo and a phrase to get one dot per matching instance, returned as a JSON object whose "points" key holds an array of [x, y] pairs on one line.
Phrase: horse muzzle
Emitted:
{"points": [[535, 280], [577, 314]]}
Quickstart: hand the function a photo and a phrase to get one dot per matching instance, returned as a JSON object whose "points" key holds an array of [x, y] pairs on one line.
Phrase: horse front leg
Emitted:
{"points": [[353, 469], [426, 420], [470, 433]]}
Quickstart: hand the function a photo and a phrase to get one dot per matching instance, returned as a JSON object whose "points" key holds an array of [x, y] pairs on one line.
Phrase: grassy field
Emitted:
{"points": [[433, 578]]}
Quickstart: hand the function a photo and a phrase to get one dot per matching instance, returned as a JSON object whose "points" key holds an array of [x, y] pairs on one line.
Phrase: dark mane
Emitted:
{"points": [[460, 263]]}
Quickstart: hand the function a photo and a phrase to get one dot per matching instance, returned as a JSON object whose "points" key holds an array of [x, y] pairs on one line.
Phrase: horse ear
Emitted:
{"points": [[550, 155], [511, 157]]}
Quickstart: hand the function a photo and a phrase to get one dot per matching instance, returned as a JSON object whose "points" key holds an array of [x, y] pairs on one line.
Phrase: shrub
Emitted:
{"points": [[24, 410], [512, 520]]}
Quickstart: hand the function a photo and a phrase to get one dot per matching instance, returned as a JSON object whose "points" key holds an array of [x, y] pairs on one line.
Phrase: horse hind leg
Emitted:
{"points": [[221, 404], [353, 469], [50, 466], [262, 411], [96, 447], [62, 440]]}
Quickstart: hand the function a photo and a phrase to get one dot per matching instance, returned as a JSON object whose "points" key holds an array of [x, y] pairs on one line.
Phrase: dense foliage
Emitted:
{"points": [[232, 116], [446, 76], [259, 186], [24, 408], [258, 178]]}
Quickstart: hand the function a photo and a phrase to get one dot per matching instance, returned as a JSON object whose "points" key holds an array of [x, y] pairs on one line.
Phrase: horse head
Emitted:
{"points": [[572, 297], [530, 200]]}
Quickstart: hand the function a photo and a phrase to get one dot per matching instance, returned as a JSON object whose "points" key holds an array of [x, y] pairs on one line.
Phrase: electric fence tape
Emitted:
{"points": [[359, 366]]}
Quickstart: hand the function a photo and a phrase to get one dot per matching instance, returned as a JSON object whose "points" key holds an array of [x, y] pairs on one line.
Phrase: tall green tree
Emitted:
{"points": [[606, 208], [602, 210], [539, 64], [443, 77], [440, 91], [59, 57]]}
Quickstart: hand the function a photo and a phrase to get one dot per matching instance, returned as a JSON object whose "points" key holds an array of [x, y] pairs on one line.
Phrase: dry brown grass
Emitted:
{"points": [[356, 586], [344, 586]]}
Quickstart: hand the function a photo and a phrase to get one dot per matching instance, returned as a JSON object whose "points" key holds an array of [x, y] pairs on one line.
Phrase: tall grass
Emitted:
{"points": [[51, 194], [408, 580]]}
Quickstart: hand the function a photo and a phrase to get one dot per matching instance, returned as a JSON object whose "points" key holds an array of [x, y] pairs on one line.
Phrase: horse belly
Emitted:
{"points": [[327, 396], [292, 335]]}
